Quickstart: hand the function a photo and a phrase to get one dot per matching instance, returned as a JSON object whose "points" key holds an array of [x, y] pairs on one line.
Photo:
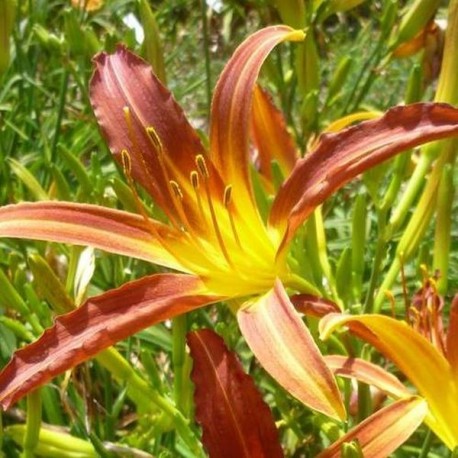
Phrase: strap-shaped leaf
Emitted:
{"points": [[235, 420]]}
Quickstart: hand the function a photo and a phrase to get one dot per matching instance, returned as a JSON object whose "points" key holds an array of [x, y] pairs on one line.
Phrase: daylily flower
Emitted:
{"points": [[422, 351], [215, 236]]}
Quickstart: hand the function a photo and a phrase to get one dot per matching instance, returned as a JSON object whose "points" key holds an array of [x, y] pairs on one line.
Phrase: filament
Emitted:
{"points": [[227, 202], [202, 168], [194, 177]]}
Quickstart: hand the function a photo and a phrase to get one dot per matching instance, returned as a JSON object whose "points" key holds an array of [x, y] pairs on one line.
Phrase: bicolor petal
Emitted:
{"points": [[272, 141], [340, 157], [416, 357], [366, 372], [231, 111], [111, 230], [384, 431], [97, 324], [285, 348]]}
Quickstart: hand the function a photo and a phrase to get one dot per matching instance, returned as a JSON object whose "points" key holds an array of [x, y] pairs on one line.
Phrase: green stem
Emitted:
{"points": [[60, 113], [179, 328], [300, 284], [415, 183], [426, 445], [377, 265], [206, 44], [33, 424], [389, 279]]}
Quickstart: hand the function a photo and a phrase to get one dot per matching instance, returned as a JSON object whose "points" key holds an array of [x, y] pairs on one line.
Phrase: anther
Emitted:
{"points": [[202, 166], [176, 189], [126, 163], [195, 179], [154, 138], [227, 199], [227, 195]]}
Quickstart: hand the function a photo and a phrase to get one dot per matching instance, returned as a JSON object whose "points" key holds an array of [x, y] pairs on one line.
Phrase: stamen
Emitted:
{"points": [[195, 180], [158, 148], [203, 170], [194, 177], [176, 189], [127, 168], [202, 166], [227, 199], [126, 164], [154, 137], [178, 201], [227, 195]]}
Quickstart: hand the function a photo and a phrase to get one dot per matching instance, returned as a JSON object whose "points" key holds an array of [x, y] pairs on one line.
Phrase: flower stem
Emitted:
{"points": [[179, 328], [426, 445], [206, 45], [33, 424]]}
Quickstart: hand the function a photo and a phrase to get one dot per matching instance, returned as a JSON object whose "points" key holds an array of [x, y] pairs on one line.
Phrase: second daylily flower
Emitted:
{"points": [[423, 352], [216, 236]]}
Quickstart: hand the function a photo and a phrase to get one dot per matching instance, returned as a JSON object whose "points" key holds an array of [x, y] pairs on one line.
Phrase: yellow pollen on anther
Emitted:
{"points": [[194, 179], [227, 199], [176, 189], [203, 170], [154, 138], [126, 164], [202, 166], [227, 196]]}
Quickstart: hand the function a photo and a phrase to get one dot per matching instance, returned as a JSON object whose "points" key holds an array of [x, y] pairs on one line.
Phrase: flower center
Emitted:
{"points": [[214, 236]]}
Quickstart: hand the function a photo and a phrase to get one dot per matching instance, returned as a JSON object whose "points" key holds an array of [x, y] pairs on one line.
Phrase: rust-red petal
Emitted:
{"points": [[313, 305], [99, 323], [452, 336], [124, 80], [231, 110], [235, 420], [340, 157], [271, 139]]}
